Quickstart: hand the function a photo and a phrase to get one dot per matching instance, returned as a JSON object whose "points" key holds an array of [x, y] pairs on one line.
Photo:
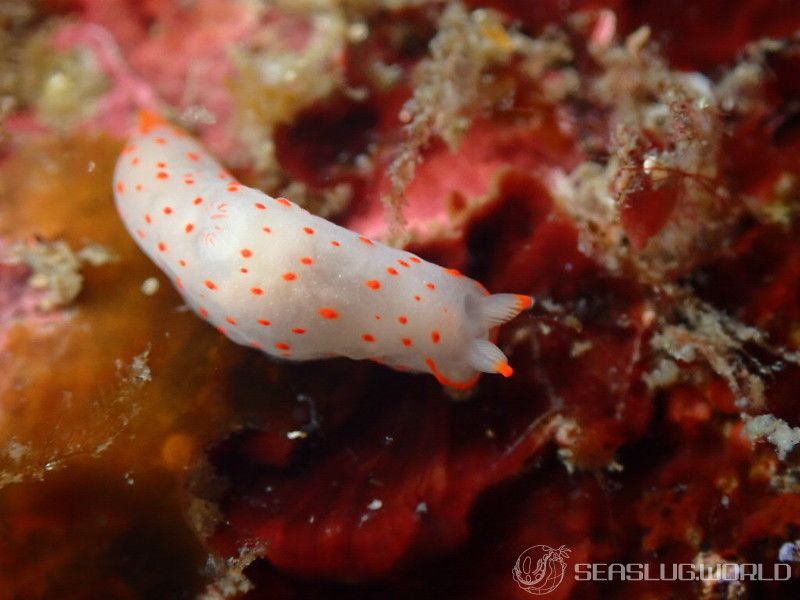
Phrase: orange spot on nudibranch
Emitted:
{"points": [[290, 276], [266, 230], [189, 227], [403, 263], [162, 246], [149, 120], [210, 284], [328, 313], [524, 302], [283, 201], [162, 175], [121, 187], [298, 330], [182, 262], [244, 270], [307, 260], [308, 230], [246, 252], [139, 187], [167, 210], [193, 156], [368, 337], [260, 206], [403, 319], [198, 200], [455, 272], [140, 233], [264, 322], [417, 298], [160, 141], [161, 165], [203, 312], [366, 240], [392, 271], [233, 188], [256, 291], [430, 286], [374, 284], [282, 346], [504, 369], [230, 320], [436, 337], [148, 219], [414, 259], [407, 342]]}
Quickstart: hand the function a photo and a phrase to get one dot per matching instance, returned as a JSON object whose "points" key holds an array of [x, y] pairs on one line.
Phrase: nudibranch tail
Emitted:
{"points": [[270, 275]]}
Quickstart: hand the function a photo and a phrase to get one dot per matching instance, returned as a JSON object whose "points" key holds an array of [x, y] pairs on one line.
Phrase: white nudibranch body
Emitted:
{"points": [[271, 275]]}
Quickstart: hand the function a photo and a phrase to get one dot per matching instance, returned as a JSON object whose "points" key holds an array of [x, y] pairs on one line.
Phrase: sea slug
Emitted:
{"points": [[270, 275]]}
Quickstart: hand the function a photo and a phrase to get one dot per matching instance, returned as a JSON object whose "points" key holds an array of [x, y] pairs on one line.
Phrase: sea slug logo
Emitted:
{"points": [[540, 569]]}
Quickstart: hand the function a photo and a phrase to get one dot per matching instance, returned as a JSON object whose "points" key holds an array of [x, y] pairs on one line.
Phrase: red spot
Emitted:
{"points": [[161, 165], [148, 219], [417, 298], [328, 313], [179, 283], [222, 330], [414, 259], [230, 320], [182, 262], [307, 261], [282, 346], [436, 337], [264, 322], [256, 291], [189, 228], [267, 230], [308, 230], [391, 271], [290, 276], [366, 240], [139, 187], [377, 317], [193, 156], [283, 201], [455, 272], [129, 149], [403, 319], [161, 141], [298, 330], [260, 206], [247, 253], [430, 286], [504, 369], [120, 187], [233, 188], [135, 160], [368, 337], [203, 312], [335, 243], [403, 263], [188, 181], [244, 270], [198, 200], [162, 246], [162, 175], [406, 342], [374, 284], [140, 233], [210, 284], [167, 210]]}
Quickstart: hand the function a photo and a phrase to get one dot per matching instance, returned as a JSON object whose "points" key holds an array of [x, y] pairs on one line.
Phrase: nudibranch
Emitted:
{"points": [[270, 275]]}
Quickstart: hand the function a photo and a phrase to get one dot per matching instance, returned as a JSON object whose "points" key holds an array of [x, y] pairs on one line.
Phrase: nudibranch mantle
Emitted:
{"points": [[270, 275]]}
